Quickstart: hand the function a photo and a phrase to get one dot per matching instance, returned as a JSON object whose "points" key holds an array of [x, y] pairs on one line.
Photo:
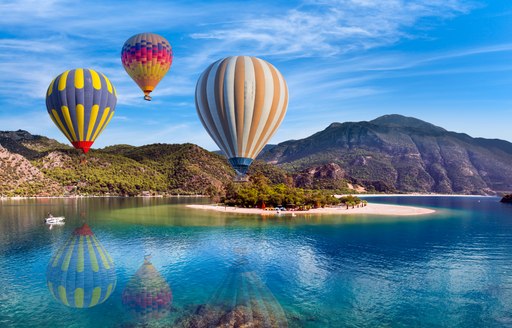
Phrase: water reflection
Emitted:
{"points": [[242, 300], [81, 274], [147, 295], [453, 268]]}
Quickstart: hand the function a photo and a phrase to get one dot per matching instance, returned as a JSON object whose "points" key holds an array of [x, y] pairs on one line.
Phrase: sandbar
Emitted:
{"points": [[371, 209]]}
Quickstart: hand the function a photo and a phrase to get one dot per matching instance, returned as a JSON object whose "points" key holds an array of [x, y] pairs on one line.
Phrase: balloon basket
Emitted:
{"points": [[148, 98]]}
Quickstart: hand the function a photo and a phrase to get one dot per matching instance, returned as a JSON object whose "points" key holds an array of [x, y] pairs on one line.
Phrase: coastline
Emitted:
{"points": [[371, 209], [195, 196], [413, 195], [98, 196], [192, 196]]}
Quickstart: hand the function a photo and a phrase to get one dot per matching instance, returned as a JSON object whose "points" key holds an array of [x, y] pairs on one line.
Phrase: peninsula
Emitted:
{"points": [[370, 209]]}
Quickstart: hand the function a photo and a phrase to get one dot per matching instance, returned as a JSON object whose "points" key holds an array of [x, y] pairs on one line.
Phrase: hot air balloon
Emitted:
{"points": [[147, 57], [81, 102], [147, 295], [241, 101], [81, 274], [241, 300]]}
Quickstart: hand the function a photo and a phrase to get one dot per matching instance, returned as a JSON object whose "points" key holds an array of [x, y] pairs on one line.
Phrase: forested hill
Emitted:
{"points": [[33, 165], [398, 153]]}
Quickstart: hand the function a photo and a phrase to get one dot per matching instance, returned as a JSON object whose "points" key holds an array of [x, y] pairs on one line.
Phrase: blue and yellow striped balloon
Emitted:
{"points": [[81, 102], [81, 274]]}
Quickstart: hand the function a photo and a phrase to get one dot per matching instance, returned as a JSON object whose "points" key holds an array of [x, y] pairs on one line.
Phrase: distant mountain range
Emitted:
{"points": [[403, 154], [392, 153]]}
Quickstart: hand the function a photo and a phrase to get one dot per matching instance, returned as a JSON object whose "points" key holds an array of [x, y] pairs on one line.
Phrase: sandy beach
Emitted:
{"points": [[412, 195], [373, 209]]}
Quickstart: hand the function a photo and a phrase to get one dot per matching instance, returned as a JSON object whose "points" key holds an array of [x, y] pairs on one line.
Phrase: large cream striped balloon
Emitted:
{"points": [[241, 102]]}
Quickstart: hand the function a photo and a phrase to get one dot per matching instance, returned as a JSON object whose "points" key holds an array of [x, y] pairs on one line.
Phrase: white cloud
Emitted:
{"points": [[161, 132], [35, 122], [34, 46], [54, 36], [19, 10], [330, 28]]}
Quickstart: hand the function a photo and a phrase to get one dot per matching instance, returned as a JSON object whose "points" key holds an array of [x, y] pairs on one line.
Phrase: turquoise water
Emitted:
{"points": [[449, 269]]}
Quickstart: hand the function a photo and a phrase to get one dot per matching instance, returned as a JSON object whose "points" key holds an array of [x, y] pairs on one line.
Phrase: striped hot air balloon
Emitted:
{"points": [[241, 300], [147, 57], [147, 295], [81, 103], [241, 102], [81, 274]]}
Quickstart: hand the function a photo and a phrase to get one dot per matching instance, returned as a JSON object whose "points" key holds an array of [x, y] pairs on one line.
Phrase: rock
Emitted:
{"points": [[507, 199], [241, 316], [20, 177], [16, 135], [326, 176]]}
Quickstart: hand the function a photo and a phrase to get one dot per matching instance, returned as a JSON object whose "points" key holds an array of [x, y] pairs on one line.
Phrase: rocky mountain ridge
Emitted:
{"points": [[394, 153]]}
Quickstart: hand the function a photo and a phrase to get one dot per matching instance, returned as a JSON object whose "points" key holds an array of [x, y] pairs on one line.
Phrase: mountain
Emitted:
{"points": [[507, 199], [394, 153], [35, 165], [18, 176], [29, 146]]}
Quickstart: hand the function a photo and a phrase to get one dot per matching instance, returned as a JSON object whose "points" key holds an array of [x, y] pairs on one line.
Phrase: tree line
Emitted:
{"points": [[260, 192]]}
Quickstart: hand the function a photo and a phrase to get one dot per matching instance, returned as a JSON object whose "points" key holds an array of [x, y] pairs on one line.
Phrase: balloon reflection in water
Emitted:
{"points": [[81, 274], [147, 294], [242, 300]]}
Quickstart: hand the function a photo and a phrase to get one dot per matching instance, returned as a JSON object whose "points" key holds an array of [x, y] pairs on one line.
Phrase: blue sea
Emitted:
{"points": [[452, 268]]}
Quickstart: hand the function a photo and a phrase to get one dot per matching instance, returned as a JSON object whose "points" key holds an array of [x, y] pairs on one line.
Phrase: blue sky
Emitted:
{"points": [[448, 62]]}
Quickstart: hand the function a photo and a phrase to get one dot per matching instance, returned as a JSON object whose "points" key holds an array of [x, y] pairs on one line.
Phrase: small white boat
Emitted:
{"points": [[55, 220]]}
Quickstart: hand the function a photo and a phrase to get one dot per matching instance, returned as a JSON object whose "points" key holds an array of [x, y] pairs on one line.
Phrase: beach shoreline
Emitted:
{"points": [[412, 195], [204, 196], [99, 196], [370, 209]]}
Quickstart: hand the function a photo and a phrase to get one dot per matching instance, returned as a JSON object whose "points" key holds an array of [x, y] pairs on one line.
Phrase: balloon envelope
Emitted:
{"points": [[147, 294], [241, 101], [242, 300], [81, 274], [147, 57], [81, 102]]}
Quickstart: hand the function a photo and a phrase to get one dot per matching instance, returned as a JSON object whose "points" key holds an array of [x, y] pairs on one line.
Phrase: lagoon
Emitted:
{"points": [[452, 268]]}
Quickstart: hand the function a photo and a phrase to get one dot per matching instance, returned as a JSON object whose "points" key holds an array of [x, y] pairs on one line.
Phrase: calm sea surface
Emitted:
{"points": [[449, 269]]}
